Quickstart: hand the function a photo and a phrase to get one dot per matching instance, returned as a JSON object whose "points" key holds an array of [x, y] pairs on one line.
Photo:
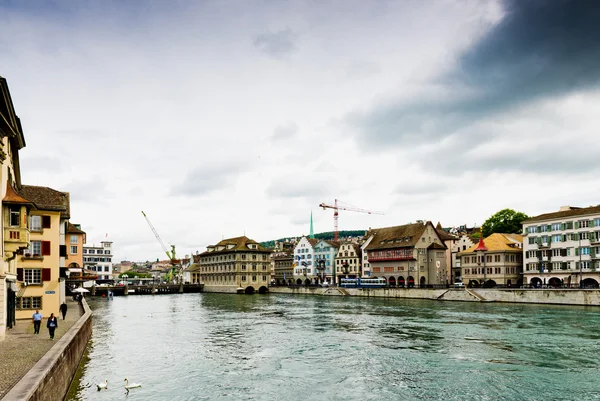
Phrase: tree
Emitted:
{"points": [[505, 221]]}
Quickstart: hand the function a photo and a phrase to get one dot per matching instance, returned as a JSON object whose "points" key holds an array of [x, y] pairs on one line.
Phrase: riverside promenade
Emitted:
{"points": [[21, 349]]}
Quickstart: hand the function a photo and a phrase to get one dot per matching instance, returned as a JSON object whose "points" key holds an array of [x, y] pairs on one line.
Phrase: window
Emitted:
{"points": [[92, 251], [556, 227], [32, 276], [532, 240], [584, 235], [107, 252], [15, 216], [264, 278], [35, 223], [557, 238], [531, 229], [46, 222], [243, 278], [253, 278], [85, 251], [35, 248], [29, 303], [584, 223], [73, 239], [73, 249]]}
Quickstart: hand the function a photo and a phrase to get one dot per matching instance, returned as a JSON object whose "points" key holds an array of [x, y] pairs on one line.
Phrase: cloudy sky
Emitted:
{"points": [[225, 118]]}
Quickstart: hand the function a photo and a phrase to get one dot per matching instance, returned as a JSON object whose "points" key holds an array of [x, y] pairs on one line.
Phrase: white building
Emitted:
{"points": [[304, 260], [99, 259], [563, 248], [366, 266]]}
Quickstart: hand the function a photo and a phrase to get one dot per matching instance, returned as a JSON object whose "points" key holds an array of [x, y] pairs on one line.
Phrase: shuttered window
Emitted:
{"points": [[46, 223], [45, 247]]}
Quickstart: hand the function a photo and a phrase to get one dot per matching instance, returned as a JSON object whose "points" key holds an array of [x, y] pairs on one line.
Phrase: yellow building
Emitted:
{"points": [[15, 234], [39, 275], [496, 260], [235, 265]]}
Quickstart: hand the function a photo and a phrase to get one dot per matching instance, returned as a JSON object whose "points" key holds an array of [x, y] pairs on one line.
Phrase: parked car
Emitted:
{"points": [[458, 285]]}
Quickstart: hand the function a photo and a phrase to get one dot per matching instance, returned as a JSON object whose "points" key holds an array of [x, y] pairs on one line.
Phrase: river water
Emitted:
{"points": [[282, 347]]}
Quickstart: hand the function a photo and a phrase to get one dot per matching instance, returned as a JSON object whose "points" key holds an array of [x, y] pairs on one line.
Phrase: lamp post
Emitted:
{"points": [[481, 250]]}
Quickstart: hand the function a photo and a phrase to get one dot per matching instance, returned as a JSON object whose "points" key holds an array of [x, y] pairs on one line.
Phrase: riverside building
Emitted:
{"points": [[563, 248], [235, 265], [99, 259], [348, 261], [495, 260], [41, 270], [409, 255]]}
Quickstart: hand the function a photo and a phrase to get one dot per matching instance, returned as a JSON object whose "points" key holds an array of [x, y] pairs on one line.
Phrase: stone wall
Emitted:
{"points": [[529, 296], [220, 289], [50, 378]]}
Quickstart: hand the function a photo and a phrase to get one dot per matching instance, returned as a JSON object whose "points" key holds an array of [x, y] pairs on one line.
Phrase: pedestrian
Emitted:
{"points": [[79, 298], [52, 325], [63, 310], [37, 321]]}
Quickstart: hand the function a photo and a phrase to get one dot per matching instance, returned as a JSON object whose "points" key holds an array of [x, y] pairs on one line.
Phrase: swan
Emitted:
{"points": [[130, 386], [102, 386]]}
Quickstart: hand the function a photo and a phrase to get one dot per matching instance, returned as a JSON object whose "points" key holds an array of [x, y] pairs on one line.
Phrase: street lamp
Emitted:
{"points": [[481, 250]]}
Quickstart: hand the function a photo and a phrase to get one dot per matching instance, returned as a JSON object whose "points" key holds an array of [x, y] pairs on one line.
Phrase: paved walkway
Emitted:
{"points": [[21, 349]]}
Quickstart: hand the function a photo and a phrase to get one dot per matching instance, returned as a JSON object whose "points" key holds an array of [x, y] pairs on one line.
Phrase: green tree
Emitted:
{"points": [[505, 221]]}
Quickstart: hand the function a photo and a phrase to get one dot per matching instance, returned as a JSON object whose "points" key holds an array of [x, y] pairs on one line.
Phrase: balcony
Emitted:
{"points": [[15, 239]]}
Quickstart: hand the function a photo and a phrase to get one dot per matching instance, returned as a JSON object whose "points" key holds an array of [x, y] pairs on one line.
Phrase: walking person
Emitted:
{"points": [[37, 321], [52, 325], [63, 310]]}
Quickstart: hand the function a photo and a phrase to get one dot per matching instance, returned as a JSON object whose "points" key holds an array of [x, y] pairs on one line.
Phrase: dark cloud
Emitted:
{"points": [[541, 49], [284, 131], [210, 177], [277, 44]]}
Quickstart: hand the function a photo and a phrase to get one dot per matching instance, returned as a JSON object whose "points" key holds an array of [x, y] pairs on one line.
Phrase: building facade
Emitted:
{"points": [[462, 243], [407, 256], [449, 240], [41, 270], [283, 268], [235, 265], [324, 260], [304, 261], [366, 266], [348, 261], [99, 260], [563, 248], [495, 260], [15, 237]]}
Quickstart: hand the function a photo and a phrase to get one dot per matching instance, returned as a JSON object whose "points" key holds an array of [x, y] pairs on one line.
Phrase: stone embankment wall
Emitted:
{"points": [[50, 378], [220, 289], [529, 296]]}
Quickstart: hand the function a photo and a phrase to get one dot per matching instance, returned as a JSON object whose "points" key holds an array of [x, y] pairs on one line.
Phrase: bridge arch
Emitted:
{"points": [[263, 290], [249, 290]]}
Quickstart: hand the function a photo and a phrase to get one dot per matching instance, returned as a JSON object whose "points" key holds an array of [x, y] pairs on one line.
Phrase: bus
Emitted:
{"points": [[363, 283]]}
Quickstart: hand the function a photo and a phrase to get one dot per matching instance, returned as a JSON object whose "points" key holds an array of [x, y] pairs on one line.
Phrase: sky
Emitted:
{"points": [[227, 118]]}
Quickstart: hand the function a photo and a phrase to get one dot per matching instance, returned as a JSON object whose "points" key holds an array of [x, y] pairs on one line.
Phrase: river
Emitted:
{"points": [[282, 347]]}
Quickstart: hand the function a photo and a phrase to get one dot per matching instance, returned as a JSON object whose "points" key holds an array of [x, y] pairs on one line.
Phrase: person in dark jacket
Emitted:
{"points": [[63, 310], [52, 325]]}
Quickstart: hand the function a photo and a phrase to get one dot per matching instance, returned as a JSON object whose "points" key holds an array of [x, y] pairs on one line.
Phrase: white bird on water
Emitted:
{"points": [[102, 386], [130, 386]]}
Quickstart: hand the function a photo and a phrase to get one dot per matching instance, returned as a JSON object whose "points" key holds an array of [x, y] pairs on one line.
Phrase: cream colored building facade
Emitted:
{"points": [[238, 265], [348, 261], [41, 270], [499, 261], [563, 248], [14, 236]]}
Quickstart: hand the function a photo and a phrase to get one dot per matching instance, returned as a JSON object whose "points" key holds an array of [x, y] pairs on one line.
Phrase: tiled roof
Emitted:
{"points": [[72, 229], [573, 212], [500, 242], [12, 197], [45, 198], [397, 237], [435, 245], [239, 244]]}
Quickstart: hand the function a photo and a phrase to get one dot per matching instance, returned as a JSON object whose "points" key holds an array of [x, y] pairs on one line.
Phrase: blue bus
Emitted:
{"points": [[363, 283]]}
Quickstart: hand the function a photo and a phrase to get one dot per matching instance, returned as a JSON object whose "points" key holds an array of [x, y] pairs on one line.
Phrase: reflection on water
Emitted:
{"points": [[275, 347]]}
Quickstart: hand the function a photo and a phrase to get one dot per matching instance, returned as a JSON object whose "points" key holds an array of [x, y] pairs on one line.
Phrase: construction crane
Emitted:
{"points": [[337, 207], [170, 254]]}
